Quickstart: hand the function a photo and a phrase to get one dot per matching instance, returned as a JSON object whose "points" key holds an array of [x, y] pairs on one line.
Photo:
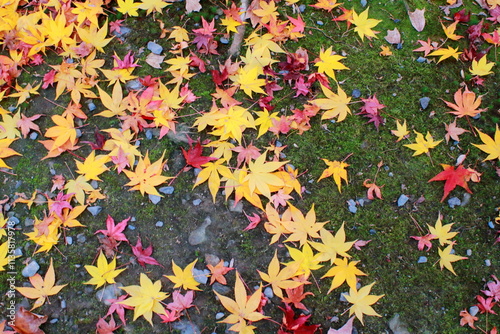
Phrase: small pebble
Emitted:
{"points": [[196, 171], [391, 174], [154, 47], [454, 201], [402, 200], [30, 269], [169, 190], [133, 219], [491, 224], [320, 23], [94, 184], [155, 199], [352, 209], [469, 252], [69, 240], [91, 106], [342, 297], [63, 304], [94, 210], [159, 224], [134, 85], [487, 263], [473, 310], [465, 199], [78, 133], [363, 3], [131, 227], [424, 102], [302, 8], [238, 207], [18, 252], [53, 321], [222, 289], [268, 292], [219, 316], [29, 222], [137, 143], [33, 135], [422, 259], [123, 32], [149, 134], [201, 276], [224, 40], [372, 231], [356, 93], [13, 221], [197, 202], [81, 238], [478, 116], [421, 59]]}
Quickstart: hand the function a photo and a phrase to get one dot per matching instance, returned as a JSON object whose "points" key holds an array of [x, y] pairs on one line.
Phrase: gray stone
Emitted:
{"points": [[222, 289], [155, 199], [197, 202], [81, 238], [12, 221], [196, 171], [473, 310], [186, 327], [63, 304], [198, 236], [169, 190], [465, 199], [487, 262], [320, 23], [94, 184], [352, 209], [94, 210], [124, 31], [356, 93], [111, 291], [469, 253], [302, 8], [454, 201], [33, 135], [69, 240], [421, 59], [219, 316], [491, 224], [363, 3], [149, 134], [342, 297], [155, 47], [29, 222], [238, 207], [268, 292], [201, 276], [30, 269], [224, 40], [91, 106], [402, 200], [422, 259], [397, 326], [159, 224], [134, 85], [424, 102], [18, 252], [131, 227], [78, 133]]}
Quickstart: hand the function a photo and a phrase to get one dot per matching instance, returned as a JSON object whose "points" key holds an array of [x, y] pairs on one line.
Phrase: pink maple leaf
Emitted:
{"points": [[280, 198], [254, 221], [245, 154], [424, 241], [103, 327], [113, 231], [144, 255], [114, 26], [493, 289], [59, 203], [360, 243], [371, 109], [169, 316], [119, 309], [485, 305], [181, 302]]}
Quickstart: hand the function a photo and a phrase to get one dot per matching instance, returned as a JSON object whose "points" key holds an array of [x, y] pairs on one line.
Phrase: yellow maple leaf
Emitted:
{"points": [[364, 24], [401, 131], [231, 122], [466, 104], [301, 227], [6, 151], [481, 67], [386, 51], [446, 257], [184, 277], [241, 188], [79, 187], [5, 258], [93, 166], [361, 300], [305, 259], [145, 298], [336, 169], [279, 279], [247, 79], [87, 10], [336, 105], [328, 61], [260, 176], [276, 222], [69, 216], [151, 6], [422, 145], [326, 4], [343, 271], [64, 130], [104, 272], [95, 36], [46, 238], [331, 246], [445, 53], [179, 34], [442, 232], [128, 7], [243, 308], [42, 287], [24, 93], [490, 146], [211, 171], [450, 31], [8, 126], [265, 121], [147, 175], [266, 12]]}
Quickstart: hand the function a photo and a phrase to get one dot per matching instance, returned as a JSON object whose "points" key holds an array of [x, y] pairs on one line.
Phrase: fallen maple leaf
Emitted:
{"points": [[218, 271], [144, 255], [181, 302], [442, 232], [361, 300], [393, 36], [363, 24], [336, 169], [422, 145], [184, 277], [401, 131], [453, 131], [446, 257], [103, 327], [279, 279], [417, 19], [453, 177], [466, 104], [343, 271], [490, 146], [28, 323], [104, 272], [295, 296], [346, 329], [42, 288], [467, 319], [424, 241], [373, 189]]}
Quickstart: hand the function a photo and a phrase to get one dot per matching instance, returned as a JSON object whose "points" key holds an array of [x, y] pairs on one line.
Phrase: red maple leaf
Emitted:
{"points": [[254, 221], [143, 255], [193, 156], [486, 305], [453, 177], [424, 241], [119, 309], [296, 324], [115, 231], [371, 109], [295, 297], [60, 202], [103, 327]]}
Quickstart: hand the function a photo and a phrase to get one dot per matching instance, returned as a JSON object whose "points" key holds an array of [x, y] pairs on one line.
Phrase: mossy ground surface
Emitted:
{"points": [[428, 300]]}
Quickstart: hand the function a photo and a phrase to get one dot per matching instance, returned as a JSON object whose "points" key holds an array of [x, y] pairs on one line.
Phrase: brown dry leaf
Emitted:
{"points": [[417, 19], [393, 36], [27, 322], [154, 60], [192, 6]]}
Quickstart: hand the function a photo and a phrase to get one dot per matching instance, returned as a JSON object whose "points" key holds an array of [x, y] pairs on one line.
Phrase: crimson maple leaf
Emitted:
{"points": [[59, 203], [143, 255], [118, 308], [296, 324], [295, 297], [115, 231], [453, 177], [486, 305], [254, 221], [193, 156], [371, 109]]}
